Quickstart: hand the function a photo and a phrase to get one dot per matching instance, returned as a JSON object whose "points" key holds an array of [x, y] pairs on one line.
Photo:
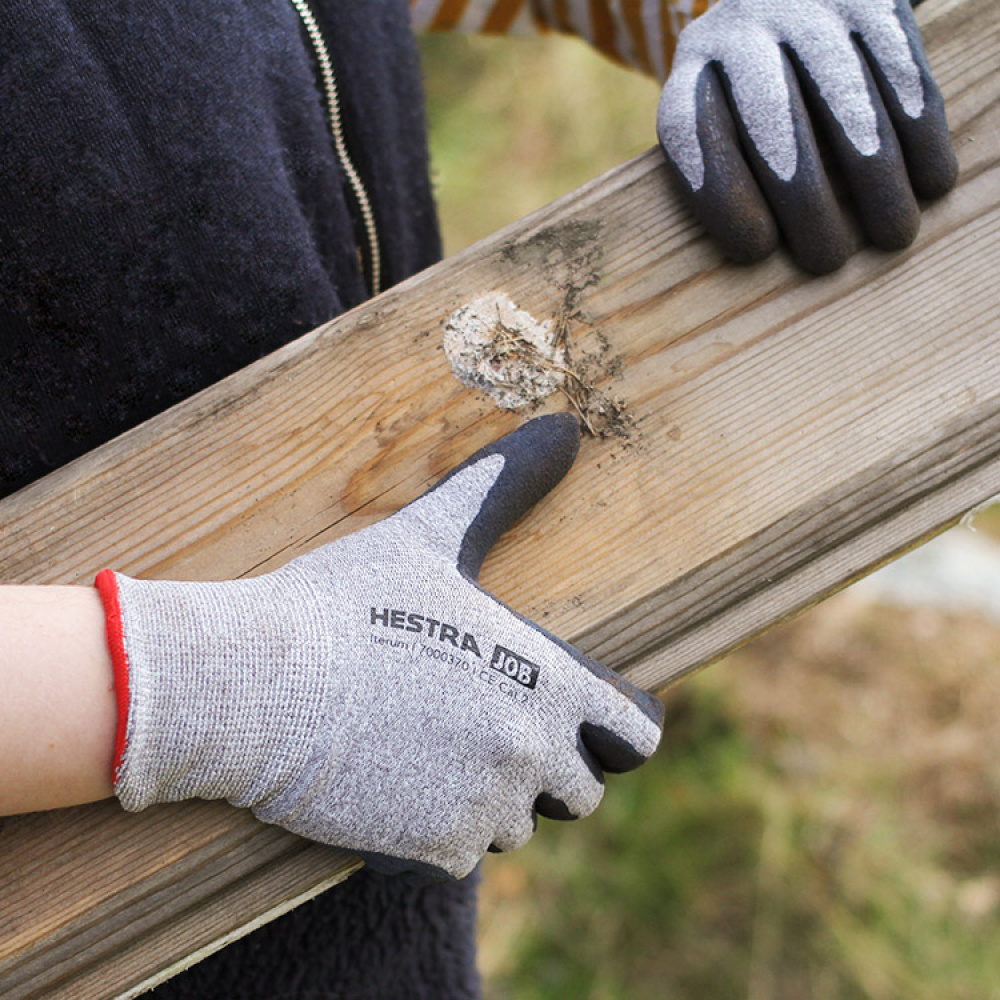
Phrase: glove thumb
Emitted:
{"points": [[467, 511]]}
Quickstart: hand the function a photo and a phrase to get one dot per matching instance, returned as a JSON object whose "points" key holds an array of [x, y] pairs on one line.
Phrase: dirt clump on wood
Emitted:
{"points": [[517, 361]]}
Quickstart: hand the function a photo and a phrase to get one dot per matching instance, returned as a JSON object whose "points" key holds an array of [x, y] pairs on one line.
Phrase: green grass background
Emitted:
{"points": [[823, 820], [517, 122]]}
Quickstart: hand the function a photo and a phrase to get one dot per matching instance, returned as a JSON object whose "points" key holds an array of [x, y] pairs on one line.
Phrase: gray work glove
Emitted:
{"points": [[369, 694], [752, 83]]}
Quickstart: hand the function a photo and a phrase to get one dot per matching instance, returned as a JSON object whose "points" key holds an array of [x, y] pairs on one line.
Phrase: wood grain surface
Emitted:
{"points": [[786, 435]]}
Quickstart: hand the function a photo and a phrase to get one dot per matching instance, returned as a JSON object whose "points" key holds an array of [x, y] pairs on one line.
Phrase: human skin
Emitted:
{"points": [[58, 712]]}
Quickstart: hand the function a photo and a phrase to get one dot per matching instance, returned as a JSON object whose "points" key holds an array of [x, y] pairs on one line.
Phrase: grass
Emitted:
{"points": [[823, 821]]}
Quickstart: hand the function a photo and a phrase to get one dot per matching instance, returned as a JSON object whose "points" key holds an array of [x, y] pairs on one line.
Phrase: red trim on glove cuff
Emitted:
{"points": [[107, 587]]}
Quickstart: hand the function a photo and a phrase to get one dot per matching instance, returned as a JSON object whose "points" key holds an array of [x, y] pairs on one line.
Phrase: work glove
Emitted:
{"points": [[755, 84], [370, 694]]}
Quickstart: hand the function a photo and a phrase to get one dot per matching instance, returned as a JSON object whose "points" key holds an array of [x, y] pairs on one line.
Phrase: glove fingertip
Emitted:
{"points": [[550, 807], [536, 457], [613, 752], [735, 217], [934, 170]]}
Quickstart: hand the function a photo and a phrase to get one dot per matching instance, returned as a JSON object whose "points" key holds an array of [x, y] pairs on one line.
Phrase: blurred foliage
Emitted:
{"points": [[518, 122], [823, 820]]}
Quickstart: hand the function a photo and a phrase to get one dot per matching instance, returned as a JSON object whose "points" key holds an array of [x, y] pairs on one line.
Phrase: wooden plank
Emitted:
{"points": [[789, 434]]}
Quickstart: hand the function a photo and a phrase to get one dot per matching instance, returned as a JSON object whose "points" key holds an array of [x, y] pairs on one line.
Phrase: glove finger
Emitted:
{"points": [[577, 792], [622, 724], [618, 725], [515, 831], [921, 127], [607, 699], [574, 785], [877, 180], [620, 733], [800, 194], [613, 753], [705, 153], [464, 514]]}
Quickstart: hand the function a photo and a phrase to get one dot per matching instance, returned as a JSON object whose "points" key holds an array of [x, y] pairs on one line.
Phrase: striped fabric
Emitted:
{"points": [[638, 33]]}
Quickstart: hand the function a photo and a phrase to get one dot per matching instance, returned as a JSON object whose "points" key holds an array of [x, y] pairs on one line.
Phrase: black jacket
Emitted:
{"points": [[171, 208], [170, 204]]}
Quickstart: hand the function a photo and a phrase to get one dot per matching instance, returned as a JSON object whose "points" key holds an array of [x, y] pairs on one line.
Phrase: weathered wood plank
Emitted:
{"points": [[790, 433]]}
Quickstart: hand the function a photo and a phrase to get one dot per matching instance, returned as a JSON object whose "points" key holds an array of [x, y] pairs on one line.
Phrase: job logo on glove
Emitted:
{"points": [[516, 667], [513, 666]]}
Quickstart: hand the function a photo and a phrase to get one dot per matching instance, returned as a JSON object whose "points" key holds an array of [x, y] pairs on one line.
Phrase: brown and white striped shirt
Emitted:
{"points": [[638, 33]]}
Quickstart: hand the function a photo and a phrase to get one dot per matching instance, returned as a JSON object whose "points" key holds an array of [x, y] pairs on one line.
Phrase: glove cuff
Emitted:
{"points": [[107, 586], [219, 688]]}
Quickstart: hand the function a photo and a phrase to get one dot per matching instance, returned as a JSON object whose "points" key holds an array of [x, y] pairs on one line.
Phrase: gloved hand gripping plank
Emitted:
{"points": [[370, 694], [707, 540], [756, 87]]}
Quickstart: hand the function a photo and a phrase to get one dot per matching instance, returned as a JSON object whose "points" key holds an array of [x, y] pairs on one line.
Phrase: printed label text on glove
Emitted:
{"points": [[505, 661]]}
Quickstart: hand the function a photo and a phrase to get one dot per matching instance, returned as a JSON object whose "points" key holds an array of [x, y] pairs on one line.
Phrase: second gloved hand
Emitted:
{"points": [[752, 84], [370, 694]]}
